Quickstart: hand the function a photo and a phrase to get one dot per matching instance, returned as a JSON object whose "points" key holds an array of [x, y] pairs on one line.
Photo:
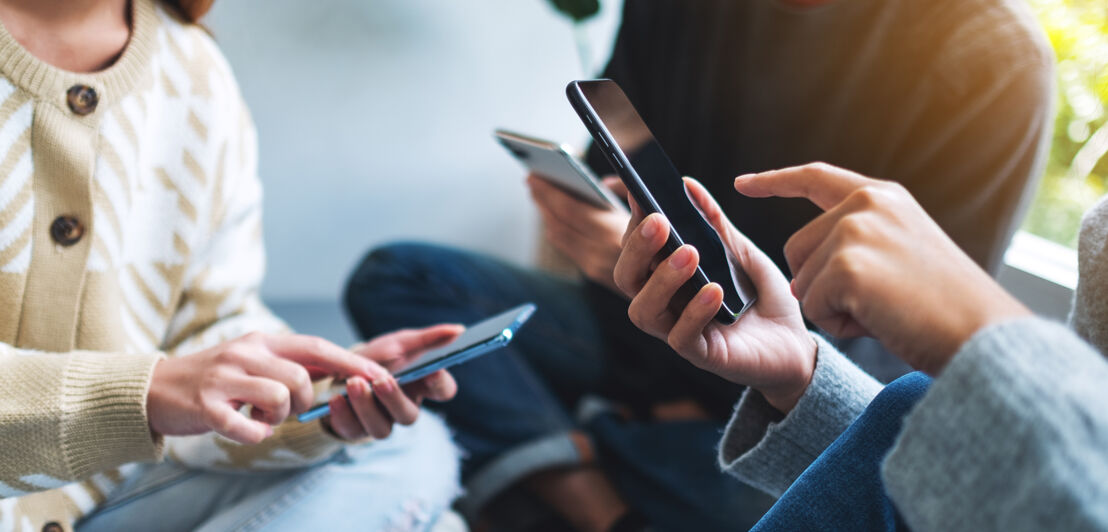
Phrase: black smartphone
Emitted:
{"points": [[656, 186]]}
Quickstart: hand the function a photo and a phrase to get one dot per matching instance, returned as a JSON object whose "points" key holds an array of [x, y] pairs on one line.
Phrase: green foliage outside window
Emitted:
{"points": [[1077, 170]]}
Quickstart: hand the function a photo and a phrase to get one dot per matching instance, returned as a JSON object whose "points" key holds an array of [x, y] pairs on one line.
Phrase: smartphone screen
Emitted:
{"points": [[473, 342], [479, 339], [664, 188]]}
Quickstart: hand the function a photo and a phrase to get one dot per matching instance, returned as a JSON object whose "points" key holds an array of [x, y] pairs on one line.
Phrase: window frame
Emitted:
{"points": [[1040, 273]]}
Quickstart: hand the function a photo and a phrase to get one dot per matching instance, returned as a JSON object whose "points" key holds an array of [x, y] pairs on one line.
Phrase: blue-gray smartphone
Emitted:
{"points": [[657, 186], [478, 339]]}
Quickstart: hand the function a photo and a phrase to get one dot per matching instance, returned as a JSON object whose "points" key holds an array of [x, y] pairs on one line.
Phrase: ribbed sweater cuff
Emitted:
{"points": [[769, 450], [103, 420], [973, 453]]}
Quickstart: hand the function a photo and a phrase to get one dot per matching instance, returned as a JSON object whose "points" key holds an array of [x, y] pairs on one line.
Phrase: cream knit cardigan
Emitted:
{"points": [[162, 175]]}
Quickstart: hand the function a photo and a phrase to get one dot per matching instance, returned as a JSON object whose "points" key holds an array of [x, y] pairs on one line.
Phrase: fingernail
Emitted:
{"points": [[650, 228], [383, 386], [681, 258]]}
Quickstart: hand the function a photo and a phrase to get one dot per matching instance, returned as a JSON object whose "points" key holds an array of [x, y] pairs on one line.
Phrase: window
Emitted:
{"points": [[1077, 169]]}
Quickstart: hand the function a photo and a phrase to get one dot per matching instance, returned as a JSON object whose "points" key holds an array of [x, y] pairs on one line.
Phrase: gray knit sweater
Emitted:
{"points": [[1012, 436]]}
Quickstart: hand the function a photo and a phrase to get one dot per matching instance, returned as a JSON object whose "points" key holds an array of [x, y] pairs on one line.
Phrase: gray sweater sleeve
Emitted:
{"points": [[1012, 436], [769, 450]]}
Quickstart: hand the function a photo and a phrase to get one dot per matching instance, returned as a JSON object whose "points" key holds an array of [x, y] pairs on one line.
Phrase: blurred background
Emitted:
{"points": [[395, 140], [405, 95], [1077, 172]]}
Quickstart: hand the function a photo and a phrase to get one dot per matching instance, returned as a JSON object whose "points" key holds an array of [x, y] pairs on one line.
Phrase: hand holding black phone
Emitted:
{"points": [[657, 186]]}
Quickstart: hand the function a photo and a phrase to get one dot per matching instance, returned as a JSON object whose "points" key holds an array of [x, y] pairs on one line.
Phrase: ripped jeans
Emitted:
{"points": [[403, 482]]}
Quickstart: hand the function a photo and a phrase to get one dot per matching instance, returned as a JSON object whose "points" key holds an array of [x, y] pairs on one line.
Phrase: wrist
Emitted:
{"points": [[992, 307], [786, 395], [1003, 308], [154, 399]]}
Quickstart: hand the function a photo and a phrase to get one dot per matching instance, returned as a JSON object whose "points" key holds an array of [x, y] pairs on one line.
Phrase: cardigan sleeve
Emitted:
{"points": [[66, 416], [769, 450], [221, 302], [1011, 436]]}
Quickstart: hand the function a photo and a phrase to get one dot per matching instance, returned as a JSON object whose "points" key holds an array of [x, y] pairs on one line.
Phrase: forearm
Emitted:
{"points": [[769, 450], [1011, 436]]}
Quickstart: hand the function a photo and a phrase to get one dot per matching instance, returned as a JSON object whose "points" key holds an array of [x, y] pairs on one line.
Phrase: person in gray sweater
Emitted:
{"points": [[1011, 433]]}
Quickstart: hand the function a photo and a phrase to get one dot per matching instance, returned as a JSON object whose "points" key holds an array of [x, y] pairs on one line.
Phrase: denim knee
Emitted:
{"points": [[390, 273], [902, 394], [387, 263]]}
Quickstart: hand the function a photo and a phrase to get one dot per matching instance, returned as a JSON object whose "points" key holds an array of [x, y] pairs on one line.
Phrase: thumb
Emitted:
{"points": [[428, 337], [762, 271], [394, 350]]}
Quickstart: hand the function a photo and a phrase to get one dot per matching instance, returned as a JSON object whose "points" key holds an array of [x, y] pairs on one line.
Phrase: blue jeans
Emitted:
{"points": [[842, 489], [404, 482], [515, 409]]}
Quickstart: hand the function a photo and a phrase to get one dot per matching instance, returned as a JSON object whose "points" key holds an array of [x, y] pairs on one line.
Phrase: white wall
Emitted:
{"points": [[375, 120]]}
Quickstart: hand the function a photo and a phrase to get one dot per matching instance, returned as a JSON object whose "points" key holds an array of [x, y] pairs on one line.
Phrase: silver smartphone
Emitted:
{"points": [[556, 164]]}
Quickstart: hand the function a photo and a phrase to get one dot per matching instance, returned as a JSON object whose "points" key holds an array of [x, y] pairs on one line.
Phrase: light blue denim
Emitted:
{"points": [[401, 483]]}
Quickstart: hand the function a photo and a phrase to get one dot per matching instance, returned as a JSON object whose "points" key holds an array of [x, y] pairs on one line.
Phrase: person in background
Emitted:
{"points": [[1004, 428], [131, 327], [951, 98]]}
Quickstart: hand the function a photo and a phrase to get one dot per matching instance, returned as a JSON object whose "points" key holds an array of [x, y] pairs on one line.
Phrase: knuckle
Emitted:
{"points": [[408, 418], [848, 266], [301, 378], [854, 227], [214, 377], [676, 341], [218, 420], [314, 344], [818, 167], [620, 277], [254, 338], [279, 396], [320, 345], [636, 314], [231, 355], [870, 195]]}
